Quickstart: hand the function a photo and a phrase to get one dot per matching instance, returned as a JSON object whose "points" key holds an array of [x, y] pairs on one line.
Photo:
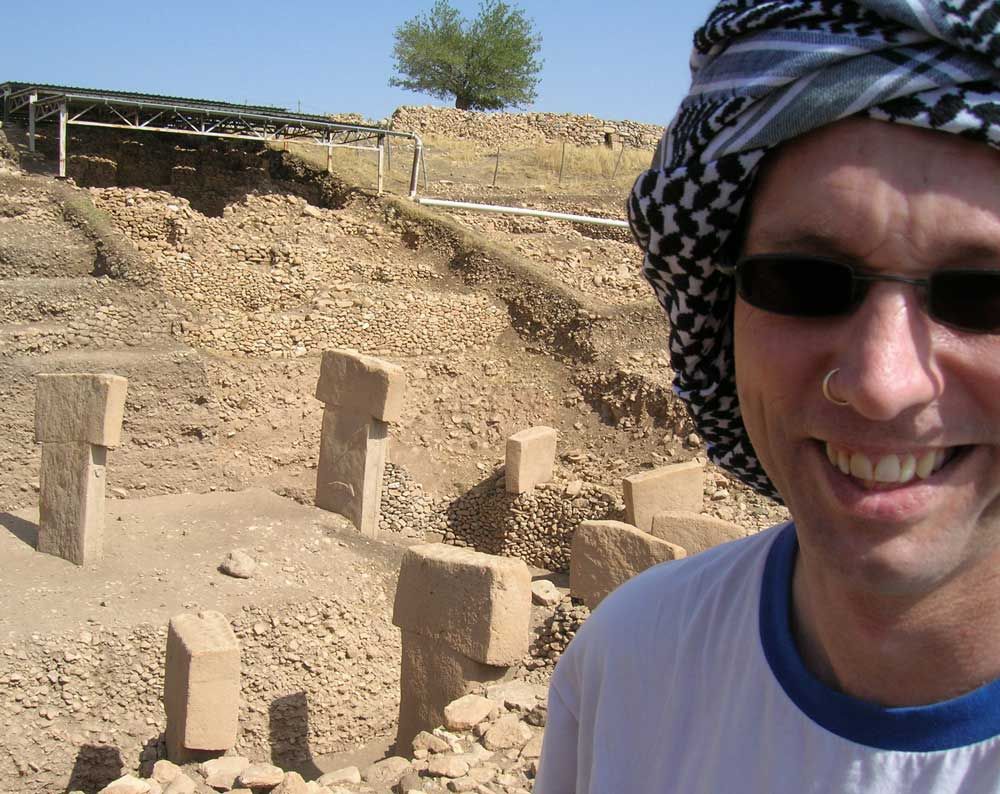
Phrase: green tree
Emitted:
{"points": [[487, 63]]}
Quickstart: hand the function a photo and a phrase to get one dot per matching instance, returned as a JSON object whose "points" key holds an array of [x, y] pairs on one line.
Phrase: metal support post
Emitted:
{"points": [[418, 150], [381, 161], [31, 122], [62, 139]]}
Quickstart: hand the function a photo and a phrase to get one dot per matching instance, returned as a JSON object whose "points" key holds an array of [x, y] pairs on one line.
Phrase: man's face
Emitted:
{"points": [[887, 199]]}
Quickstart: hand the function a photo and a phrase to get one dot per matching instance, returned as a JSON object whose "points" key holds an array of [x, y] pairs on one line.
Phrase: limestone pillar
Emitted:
{"points": [[362, 396], [606, 554], [466, 618], [201, 688], [78, 417], [531, 457], [679, 486]]}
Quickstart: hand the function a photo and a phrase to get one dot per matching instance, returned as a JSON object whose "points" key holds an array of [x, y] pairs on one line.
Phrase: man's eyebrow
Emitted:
{"points": [[806, 242], [958, 252]]}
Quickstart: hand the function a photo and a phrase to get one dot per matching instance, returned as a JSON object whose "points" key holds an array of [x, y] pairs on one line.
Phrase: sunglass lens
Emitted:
{"points": [[966, 299], [798, 286]]}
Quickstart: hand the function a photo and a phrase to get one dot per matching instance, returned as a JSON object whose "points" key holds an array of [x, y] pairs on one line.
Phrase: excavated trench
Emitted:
{"points": [[212, 277]]}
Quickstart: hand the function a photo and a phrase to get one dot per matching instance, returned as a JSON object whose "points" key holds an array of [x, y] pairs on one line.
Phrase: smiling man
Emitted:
{"points": [[822, 226]]}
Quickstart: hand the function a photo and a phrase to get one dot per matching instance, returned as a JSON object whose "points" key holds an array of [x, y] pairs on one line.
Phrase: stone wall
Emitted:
{"points": [[523, 129], [210, 172], [8, 154]]}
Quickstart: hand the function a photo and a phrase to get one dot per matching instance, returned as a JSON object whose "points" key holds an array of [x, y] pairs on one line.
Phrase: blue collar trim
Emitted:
{"points": [[965, 720]]}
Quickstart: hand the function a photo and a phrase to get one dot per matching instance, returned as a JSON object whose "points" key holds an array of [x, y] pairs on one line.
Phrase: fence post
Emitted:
{"points": [[562, 162], [381, 160], [618, 162]]}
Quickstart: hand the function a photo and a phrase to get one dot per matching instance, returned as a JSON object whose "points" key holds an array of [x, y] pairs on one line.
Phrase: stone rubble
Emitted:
{"points": [[276, 276], [238, 564], [521, 129], [552, 638], [318, 677], [493, 749], [536, 527]]}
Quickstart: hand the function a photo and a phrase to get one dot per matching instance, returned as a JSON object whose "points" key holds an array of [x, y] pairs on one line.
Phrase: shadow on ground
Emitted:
{"points": [[22, 529], [289, 735]]}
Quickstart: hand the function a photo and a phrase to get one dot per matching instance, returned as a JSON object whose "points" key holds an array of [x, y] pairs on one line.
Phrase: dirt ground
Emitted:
{"points": [[220, 337]]}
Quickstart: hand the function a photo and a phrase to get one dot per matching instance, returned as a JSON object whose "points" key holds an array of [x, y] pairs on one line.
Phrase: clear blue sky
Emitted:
{"points": [[616, 60]]}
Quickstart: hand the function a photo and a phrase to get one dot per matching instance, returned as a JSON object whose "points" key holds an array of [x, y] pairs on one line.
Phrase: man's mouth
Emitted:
{"points": [[892, 468]]}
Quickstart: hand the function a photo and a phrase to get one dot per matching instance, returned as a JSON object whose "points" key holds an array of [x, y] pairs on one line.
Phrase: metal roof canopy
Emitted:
{"points": [[90, 107], [154, 113]]}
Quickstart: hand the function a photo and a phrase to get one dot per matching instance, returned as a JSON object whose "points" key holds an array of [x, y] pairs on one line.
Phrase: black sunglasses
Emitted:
{"points": [[810, 286]]}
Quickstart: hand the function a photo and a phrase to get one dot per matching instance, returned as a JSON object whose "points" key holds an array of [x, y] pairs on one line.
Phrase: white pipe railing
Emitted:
{"points": [[559, 216]]}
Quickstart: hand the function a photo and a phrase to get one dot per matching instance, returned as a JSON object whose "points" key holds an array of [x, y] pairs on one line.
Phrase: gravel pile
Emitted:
{"points": [[536, 527], [317, 678], [406, 510], [604, 270], [278, 277], [521, 129], [553, 636]]}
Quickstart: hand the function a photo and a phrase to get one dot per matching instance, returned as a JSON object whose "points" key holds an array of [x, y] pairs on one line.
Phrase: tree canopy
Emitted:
{"points": [[487, 63]]}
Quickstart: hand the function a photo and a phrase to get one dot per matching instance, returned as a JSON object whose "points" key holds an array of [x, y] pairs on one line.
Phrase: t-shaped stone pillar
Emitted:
{"points": [[465, 618], [362, 396], [77, 418]]}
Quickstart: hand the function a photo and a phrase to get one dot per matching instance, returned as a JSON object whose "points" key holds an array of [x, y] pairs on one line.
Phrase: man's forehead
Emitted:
{"points": [[839, 189]]}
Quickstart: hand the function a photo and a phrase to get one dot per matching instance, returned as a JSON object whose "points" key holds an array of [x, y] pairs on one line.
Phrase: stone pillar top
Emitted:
{"points": [[79, 407], [477, 604], [361, 384]]}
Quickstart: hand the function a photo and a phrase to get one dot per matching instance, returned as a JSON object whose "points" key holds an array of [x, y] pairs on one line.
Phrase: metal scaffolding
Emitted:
{"points": [[154, 113], [87, 107]]}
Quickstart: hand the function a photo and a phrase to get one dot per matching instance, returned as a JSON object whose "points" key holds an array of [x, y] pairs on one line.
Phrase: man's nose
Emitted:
{"points": [[887, 364]]}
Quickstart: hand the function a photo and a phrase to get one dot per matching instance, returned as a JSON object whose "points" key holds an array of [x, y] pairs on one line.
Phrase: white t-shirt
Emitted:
{"points": [[687, 679]]}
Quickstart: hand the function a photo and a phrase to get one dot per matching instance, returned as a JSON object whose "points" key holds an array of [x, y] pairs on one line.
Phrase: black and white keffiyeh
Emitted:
{"points": [[762, 73]]}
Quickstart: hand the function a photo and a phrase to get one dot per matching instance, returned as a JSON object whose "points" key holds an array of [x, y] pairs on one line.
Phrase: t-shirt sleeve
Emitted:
{"points": [[557, 767]]}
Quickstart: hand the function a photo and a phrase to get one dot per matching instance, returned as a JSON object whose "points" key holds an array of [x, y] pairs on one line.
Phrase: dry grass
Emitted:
{"points": [[583, 169]]}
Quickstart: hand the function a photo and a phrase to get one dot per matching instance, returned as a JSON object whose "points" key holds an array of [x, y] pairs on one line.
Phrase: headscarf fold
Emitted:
{"points": [[763, 73]]}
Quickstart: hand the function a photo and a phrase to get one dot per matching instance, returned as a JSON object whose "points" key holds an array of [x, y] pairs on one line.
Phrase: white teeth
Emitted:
{"points": [[843, 462], [890, 468], [925, 464], [907, 468], [861, 466]]}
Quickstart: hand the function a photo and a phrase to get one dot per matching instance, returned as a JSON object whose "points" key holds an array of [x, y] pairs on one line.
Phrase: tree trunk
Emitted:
{"points": [[462, 102]]}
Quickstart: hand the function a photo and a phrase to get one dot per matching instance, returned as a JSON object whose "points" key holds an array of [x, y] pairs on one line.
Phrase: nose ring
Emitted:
{"points": [[826, 388]]}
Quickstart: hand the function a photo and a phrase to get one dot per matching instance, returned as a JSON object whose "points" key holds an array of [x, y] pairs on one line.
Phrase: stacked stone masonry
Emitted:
{"points": [[523, 129]]}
